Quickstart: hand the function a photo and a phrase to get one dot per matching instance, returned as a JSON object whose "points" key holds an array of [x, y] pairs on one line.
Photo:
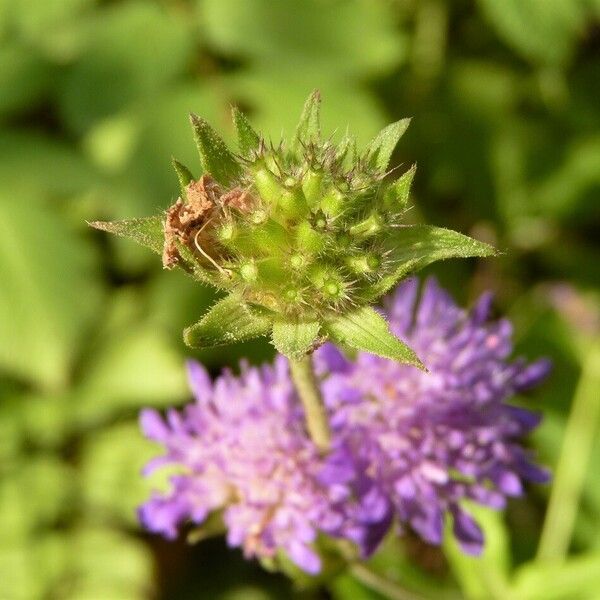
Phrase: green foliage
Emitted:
{"points": [[504, 100]]}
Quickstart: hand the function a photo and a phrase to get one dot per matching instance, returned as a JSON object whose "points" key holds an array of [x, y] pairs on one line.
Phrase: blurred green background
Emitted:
{"points": [[94, 96]]}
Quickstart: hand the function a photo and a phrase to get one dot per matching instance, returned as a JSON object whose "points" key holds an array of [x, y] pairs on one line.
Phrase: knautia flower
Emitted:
{"points": [[302, 236], [243, 451], [407, 446], [429, 441]]}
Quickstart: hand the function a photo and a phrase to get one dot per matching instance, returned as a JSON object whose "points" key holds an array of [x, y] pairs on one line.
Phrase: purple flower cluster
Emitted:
{"points": [[408, 446]]}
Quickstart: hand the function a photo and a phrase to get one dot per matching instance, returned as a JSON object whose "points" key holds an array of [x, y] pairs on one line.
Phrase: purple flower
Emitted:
{"points": [[407, 447], [429, 441], [242, 449]]}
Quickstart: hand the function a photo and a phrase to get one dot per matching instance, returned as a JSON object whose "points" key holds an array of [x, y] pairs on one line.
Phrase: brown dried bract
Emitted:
{"points": [[184, 220], [239, 199]]}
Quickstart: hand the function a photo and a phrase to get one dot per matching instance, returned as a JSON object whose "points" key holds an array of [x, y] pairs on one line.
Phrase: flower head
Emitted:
{"points": [[407, 446], [301, 235], [429, 441], [242, 450]]}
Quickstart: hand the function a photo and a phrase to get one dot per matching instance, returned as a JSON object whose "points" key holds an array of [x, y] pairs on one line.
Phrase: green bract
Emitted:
{"points": [[303, 237]]}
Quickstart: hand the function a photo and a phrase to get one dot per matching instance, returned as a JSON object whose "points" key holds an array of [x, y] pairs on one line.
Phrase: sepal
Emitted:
{"points": [[364, 329], [229, 321]]}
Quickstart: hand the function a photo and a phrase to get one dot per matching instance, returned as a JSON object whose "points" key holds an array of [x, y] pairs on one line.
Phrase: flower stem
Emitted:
{"points": [[314, 410], [380, 584], [572, 465]]}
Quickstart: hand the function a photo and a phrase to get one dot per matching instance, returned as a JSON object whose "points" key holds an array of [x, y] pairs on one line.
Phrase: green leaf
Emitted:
{"points": [[295, 339], [49, 293], [416, 246], [229, 321], [577, 577], [133, 364], [309, 126], [248, 139], [215, 156], [366, 330], [106, 563], [113, 459], [183, 175], [540, 31], [320, 41], [379, 151]]}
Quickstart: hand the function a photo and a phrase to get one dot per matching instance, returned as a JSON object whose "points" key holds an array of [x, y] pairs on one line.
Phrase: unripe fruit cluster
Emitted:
{"points": [[303, 230]]}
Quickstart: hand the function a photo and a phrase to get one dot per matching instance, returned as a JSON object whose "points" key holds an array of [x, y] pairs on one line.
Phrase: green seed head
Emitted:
{"points": [[302, 235], [303, 227]]}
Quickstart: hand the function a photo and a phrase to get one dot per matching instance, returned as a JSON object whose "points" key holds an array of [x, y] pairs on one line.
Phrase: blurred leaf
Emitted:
{"points": [[133, 365], [107, 564], [132, 49], [346, 587], [50, 27], [34, 493], [47, 271], [541, 31], [32, 569], [32, 164], [484, 577], [350, 38], [578, 577], [24, 78], [309, 127], [113, 460]]}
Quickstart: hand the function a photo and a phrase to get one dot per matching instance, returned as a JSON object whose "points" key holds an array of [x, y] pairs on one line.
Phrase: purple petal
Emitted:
{"points": [[467, 532], [199, 381], [153, 426]]}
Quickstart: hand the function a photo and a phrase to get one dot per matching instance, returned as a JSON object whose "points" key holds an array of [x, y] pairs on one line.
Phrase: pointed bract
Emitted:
{"points": [[147, 231], [295, 338], [215, 156], [309, 126], [229, 321], [416, 246], [184, 176], [380, 149], [366, 330], [248, 139], [396, 195]]}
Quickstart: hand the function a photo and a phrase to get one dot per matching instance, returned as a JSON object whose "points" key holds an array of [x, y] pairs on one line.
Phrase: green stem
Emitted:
{"points": [[572, 465], [314, 409], [380, 584]]}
